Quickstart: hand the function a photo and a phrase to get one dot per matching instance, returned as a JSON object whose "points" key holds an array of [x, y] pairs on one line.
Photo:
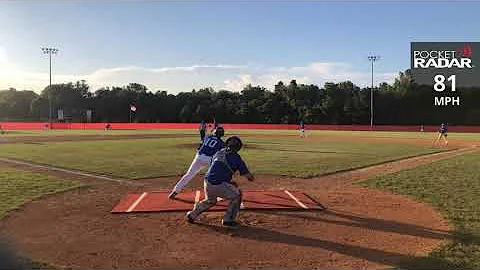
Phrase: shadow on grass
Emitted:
{"points": [[428, 263], [258, 147]]}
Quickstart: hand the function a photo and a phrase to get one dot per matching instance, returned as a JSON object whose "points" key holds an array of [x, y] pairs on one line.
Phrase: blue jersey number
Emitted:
{"points": [[210, 142]]}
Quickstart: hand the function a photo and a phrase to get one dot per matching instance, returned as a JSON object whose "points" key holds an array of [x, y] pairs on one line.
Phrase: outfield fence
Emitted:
{"points": [[194, 126]]}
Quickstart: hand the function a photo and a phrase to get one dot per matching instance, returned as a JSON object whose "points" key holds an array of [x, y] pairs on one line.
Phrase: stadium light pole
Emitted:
{"points": [[372, 59], [50, 51]]}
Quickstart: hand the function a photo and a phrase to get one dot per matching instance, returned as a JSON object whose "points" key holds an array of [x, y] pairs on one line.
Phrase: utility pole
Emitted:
{"points": [[373, 59], [50, 52]]}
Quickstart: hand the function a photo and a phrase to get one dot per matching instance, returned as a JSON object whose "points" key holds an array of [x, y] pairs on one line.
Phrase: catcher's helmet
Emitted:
{"points": [[219, 132], [234, 143]]}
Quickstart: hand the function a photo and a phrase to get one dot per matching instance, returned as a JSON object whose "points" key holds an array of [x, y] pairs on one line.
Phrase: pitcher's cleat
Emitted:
{"points": [[189, 219], [230, 224], [172, 195]]}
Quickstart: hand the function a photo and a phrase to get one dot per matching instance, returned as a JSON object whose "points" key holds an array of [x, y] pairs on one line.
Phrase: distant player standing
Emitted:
{"points": [[209, 147], [302, 129], [442, 133], [218, 183], [203, 130]]}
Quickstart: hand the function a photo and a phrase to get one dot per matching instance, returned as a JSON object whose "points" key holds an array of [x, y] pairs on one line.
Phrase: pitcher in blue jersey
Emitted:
{"points": [[218, 183], [211, 144]]}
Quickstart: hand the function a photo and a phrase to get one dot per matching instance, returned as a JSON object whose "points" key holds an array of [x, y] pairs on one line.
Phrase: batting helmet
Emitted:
{"points": [[234, 143], [219, 132]]}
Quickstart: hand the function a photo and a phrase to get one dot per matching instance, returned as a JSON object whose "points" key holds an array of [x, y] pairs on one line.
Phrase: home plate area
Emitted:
{"points": [[158, 201]]}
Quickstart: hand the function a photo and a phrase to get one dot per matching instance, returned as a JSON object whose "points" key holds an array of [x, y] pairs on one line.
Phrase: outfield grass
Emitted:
{"points": [[23, 133], [398, 135], [452, 187], [298, 158], [146, 158], [19, 187], [475, 137]]}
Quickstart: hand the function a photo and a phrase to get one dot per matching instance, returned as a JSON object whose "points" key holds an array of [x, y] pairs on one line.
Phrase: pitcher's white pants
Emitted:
{"points": [[198, 163]]}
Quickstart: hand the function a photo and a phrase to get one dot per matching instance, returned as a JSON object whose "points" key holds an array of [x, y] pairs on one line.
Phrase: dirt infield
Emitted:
{"points": [[75, 229], [361, 228]]}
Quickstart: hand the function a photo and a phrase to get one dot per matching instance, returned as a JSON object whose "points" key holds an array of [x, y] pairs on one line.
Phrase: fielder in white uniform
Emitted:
{"points": [[211, 144]]}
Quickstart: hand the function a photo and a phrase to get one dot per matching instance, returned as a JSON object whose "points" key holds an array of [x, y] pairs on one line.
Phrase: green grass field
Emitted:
{"points": [[399, 135], [22, 133], [364, 134], [19, 187], [453, 188], [147, 158]]}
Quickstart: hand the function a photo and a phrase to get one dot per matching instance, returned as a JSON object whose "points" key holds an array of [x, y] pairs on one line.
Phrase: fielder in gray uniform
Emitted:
{"points": [[218, 183]]}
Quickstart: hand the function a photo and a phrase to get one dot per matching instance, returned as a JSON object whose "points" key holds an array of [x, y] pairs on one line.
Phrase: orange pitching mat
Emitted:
{"points": [[158, 201]]}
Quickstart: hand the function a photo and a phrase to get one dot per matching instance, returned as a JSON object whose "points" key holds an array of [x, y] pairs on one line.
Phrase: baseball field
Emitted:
{"points": [[393, 200]]}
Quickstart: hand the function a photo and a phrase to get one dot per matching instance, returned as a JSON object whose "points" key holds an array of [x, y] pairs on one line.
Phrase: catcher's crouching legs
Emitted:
{"points": [[209, 201], [200, 208], [233, 209], [225, 191], [232, 193]]}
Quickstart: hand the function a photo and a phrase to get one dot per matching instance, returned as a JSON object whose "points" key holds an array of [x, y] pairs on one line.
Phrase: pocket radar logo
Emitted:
{"points": [[461, 58], [446, 67], [456, 63]]}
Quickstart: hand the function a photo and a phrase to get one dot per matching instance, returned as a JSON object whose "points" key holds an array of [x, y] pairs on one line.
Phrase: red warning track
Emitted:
{"points": [[159, 202]]}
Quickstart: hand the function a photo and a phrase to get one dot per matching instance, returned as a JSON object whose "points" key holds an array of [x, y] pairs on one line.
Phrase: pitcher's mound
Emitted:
{"points": [[159, 202]]}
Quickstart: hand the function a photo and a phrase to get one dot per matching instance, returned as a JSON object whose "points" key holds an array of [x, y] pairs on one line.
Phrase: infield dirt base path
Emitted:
{"points": [[362, 228]]}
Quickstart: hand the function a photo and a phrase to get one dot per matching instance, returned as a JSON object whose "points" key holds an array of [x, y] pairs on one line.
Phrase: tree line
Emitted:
{"points": [[401, 103]]}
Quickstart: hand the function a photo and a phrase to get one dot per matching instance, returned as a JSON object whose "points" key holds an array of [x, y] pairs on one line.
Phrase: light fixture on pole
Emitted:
{"points": [[373, 59], [50, 51]]}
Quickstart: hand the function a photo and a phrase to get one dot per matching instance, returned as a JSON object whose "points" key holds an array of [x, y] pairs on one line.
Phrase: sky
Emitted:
{"points": [[180, 46]]}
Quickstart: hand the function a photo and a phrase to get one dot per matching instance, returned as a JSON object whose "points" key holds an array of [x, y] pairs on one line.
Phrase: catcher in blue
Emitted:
{"points": [[442, 133], [218, 183], [211, 144]]}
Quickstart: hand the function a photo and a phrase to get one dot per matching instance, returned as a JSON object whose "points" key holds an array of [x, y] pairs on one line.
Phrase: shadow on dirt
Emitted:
{"points": [[10, 260], [370, 254], [429, 262], [352, 220], [374, 255]]}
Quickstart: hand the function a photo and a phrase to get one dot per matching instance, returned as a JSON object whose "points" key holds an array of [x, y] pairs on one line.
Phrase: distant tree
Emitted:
{"points": [[402, 102], [16, 104]]}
